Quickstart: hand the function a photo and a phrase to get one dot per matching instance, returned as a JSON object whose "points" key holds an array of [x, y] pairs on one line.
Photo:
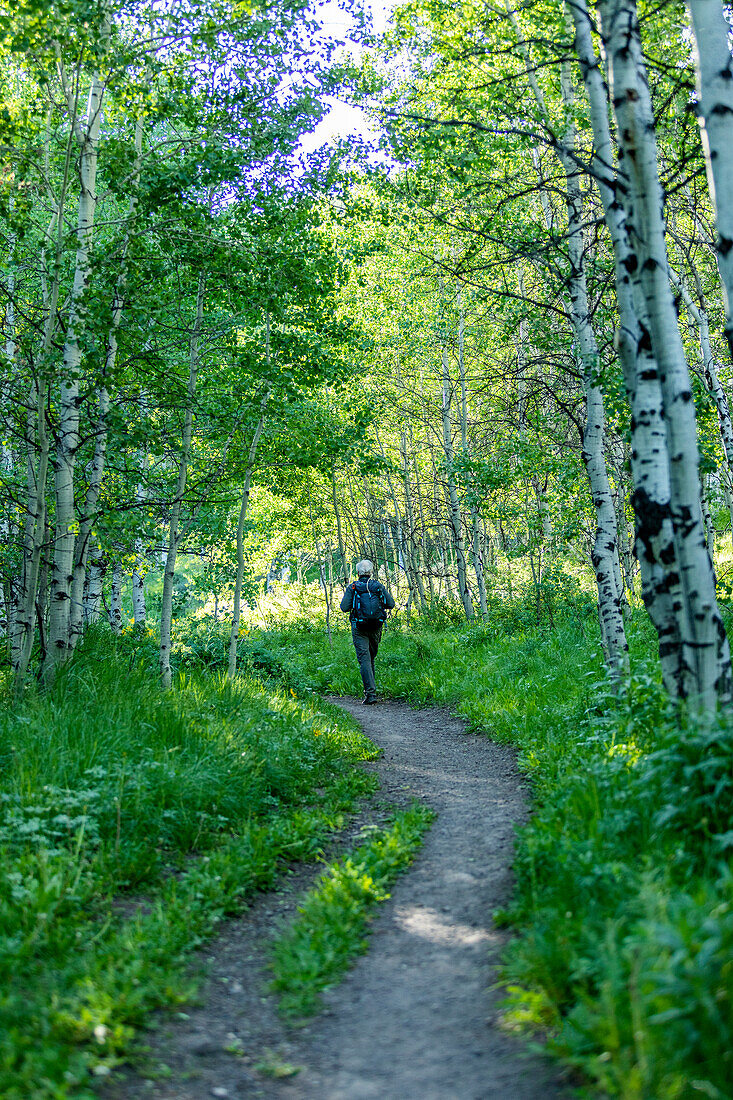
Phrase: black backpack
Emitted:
{"points": [[368, 607]]}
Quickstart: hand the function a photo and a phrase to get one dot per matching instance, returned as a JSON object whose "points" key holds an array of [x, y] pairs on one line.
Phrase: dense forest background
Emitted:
{"points": [[494, 356]]}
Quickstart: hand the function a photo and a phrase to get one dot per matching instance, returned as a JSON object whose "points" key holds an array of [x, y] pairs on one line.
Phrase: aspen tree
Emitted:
{"points": [[93, 595], [244, 506], [705, 673], [87, 132], [455, 519], [96, 474], [115, 601], [321, 569], [339, 530], [38, 442], [655, 542], [605, 546], [476, 551], [169, 572], [413, 545], [715, 85]]}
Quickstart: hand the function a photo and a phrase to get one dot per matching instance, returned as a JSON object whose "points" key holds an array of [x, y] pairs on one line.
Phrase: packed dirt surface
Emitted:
{"points": [[417, 1016]]}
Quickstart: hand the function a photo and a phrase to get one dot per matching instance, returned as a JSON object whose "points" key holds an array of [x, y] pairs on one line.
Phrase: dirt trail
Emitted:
{"points": [[414, 1019]]}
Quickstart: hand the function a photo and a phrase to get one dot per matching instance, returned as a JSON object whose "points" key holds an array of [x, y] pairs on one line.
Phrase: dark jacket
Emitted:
{"points": [[347, 602]]}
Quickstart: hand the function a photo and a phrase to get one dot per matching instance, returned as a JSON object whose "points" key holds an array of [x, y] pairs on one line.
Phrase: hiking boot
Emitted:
{"points": [[369, 700]]}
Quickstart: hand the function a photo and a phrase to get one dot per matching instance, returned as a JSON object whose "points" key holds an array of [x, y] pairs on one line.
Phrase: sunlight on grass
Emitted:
{"points": [[194, 797], [625, 860]]}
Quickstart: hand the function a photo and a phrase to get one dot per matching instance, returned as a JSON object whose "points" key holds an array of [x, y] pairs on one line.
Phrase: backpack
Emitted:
{"points": [[367, 608]]}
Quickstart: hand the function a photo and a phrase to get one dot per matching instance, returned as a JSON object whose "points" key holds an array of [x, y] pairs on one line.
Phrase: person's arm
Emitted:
{"points": [[347, 601], [388, 599]]}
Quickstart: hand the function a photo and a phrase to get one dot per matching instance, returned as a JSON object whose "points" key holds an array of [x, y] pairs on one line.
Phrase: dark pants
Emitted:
{"points": [[366, 646]]}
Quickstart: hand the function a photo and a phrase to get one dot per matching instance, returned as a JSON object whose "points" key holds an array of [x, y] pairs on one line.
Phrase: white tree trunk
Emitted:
{"points": [[705, 671], [475, 541], [715, 85], [605, 555], [169, 573], [655, 544], [37, 461], [455, 519], [728, 497], [237, 606], [86, 522], [115, 600], [699, 317], [411, 546], [93, 598], [139, 609], [706, 514], [60, 644], [605, 547], [22, 629]]}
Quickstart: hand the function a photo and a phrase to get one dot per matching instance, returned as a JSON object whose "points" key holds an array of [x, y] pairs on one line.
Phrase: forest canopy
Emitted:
{"points": [[506, 339]]}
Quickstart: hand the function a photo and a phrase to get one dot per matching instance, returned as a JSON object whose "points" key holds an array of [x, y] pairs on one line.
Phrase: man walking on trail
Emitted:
{"points": [[368, 602]]}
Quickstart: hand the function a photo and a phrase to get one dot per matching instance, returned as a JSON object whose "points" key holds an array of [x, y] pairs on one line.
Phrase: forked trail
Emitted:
{"points": [[415, 1019]]}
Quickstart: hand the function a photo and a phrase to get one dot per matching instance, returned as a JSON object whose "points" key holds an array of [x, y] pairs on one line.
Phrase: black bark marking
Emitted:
{"points": [[645, 341]]}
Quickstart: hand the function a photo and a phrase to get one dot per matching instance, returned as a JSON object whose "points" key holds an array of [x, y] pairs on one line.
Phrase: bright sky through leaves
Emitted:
{"points": [[343, 119]]}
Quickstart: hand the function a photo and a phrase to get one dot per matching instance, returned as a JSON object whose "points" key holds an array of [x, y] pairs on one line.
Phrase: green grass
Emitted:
{"points": [[331, 930], [185, 802], [624, 900]]}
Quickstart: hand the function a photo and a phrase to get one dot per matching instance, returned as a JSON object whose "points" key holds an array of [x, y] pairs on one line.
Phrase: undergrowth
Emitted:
{"points": [[131, 822], [313, 951], [624, 898]]}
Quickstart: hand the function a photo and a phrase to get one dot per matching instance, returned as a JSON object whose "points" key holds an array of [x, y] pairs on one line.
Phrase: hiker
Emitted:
{"points": [[368, 602]]}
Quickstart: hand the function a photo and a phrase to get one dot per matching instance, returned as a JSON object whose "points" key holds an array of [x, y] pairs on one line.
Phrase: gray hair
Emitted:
{"points": [[364, 566]]}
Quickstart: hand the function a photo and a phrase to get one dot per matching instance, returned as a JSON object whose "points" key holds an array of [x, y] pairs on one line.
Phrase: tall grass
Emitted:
{"points": [[624, 896], [186, 801]]}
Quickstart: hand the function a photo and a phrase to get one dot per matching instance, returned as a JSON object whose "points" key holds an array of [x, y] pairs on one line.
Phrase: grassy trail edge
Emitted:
{"points": [[314, 951]]}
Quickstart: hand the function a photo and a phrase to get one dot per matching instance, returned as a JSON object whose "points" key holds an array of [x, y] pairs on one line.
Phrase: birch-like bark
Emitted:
{"points": [[321, 572], [339, 529], [475, 541], [699, 316], [169, 572], [412, 549], [67, 443], [24, 618], [400, 564], [728, 497], [96, 474], [38, 450], [455, 519], [705, 655], [605, 546], [714, 65], [423, 546], [115, 600], [625, 539], [605, 555], [93, 597], [139, 609], [706, 515], [651, 500], [86, 521], [237, 605]]}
